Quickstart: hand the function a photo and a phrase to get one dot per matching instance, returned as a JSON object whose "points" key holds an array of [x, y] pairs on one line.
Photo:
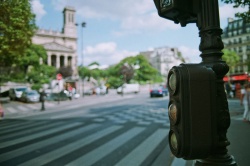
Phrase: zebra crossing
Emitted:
{"points": [[22, 108], [25, 108], [111, 136], [73, 143]]}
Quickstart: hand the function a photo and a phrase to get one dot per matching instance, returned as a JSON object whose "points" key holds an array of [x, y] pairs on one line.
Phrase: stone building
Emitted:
{"points": [[163, 59], [236, 37], [61, 46]]}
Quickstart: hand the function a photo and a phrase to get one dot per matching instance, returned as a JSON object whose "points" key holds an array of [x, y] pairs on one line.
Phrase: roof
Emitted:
{"points": [[57, 47]]}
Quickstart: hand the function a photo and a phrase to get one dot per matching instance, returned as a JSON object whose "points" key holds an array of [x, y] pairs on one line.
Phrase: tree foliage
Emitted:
{"points": [[231, 58], [17, 26], [130, 69], [240, 3], [66, 71]]}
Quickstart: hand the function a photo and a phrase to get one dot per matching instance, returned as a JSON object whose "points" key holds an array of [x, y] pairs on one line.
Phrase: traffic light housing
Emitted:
{"points": [[179, 11], [192, 111]]}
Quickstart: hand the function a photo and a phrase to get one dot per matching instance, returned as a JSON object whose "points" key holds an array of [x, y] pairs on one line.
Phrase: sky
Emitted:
{"points": [[115, 30]]}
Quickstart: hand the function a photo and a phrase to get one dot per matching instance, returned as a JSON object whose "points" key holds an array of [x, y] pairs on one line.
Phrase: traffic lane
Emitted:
{"points": [[128, 132]]}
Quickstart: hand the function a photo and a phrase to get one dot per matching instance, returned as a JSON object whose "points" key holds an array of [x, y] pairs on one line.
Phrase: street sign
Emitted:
{"points": [[59, 76]]}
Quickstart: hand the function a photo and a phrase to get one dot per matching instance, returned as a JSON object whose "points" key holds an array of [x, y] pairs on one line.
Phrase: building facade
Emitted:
{"points": [[61, 47], [163, 59], [236, 37]]}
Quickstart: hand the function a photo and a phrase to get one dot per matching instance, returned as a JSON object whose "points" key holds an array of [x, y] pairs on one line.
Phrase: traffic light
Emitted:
{"points": [[192, 111], [179, 11]]}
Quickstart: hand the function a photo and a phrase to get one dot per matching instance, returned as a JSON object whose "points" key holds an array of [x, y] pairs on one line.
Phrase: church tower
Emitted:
{"points": [[69, 25]]}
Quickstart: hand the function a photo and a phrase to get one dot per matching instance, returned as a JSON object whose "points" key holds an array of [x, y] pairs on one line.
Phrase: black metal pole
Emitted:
{"points": [[211, 46], [83, 25], [43, 100]]}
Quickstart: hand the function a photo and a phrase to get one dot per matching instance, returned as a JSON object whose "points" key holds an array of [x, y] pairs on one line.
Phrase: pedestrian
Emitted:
{"points": [[245, 101], [42, 99], [228, 89], [233, 89]]}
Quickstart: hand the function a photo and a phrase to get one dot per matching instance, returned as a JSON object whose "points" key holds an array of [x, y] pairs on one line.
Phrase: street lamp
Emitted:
{"points": [[83, 26], [187, 81]]}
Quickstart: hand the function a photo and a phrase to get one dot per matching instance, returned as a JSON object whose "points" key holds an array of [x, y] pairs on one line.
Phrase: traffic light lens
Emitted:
{"points": [[173, 141], [172, 112], [172, 81]]}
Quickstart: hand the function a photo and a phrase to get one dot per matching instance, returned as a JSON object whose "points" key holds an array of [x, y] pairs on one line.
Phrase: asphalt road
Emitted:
{"points": [[100, 130]]}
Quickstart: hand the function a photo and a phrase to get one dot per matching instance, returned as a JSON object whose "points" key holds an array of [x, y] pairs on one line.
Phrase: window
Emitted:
{"points": [[240, 41], [240, 23], [235, 33]]}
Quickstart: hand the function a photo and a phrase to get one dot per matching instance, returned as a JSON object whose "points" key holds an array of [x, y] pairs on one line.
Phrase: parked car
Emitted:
{"points": [[158, 91], [128, 88], [16, 92], [30, 96]]}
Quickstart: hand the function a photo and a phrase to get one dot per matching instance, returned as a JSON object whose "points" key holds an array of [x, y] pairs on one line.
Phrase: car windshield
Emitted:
{"points": [[20, 89], [31, 93]]}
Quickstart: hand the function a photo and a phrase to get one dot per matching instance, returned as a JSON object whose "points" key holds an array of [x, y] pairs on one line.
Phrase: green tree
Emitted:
{"points": [[66, 71], [34, 55], [141, 71], [40, 75], [231, 58], [240, 3], [17, 26]]}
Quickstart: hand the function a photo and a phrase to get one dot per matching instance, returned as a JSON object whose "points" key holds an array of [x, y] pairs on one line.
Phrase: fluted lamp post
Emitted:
{"points": [[83, 26], [185, 113]]}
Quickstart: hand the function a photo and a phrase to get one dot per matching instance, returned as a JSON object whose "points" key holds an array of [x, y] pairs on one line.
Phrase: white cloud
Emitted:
{"points": [[38, 9], [132, 15], [190, 54], [105, 54], [227, 11]]}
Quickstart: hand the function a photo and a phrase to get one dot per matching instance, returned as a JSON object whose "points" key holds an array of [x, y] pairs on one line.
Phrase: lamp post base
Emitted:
{"points": [[218, 160]]}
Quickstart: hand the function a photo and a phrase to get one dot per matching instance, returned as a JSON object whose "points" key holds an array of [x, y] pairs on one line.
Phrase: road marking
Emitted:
{"points": [[32, 106], [37, 135], [71, 114], [11, 110], [48, 157], [22, 108], [47, 142], [98, 153], [138, 155]]}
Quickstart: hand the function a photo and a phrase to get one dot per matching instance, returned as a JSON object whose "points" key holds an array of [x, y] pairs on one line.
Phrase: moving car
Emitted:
{"points": [[30, 96], [16, 92], [158, 91]]}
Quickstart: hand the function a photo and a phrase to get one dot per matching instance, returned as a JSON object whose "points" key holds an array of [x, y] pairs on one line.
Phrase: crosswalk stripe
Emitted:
{"points": [[37, 135], [24, 127], [43, 159], [138, 155], [47, 142], [32, 106], [22, 108], [107, 148], [70, 114], [11, 110]]}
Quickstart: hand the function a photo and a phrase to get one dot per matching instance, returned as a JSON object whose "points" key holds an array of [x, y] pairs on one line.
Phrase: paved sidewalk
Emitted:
{"points": [[238, 134]]}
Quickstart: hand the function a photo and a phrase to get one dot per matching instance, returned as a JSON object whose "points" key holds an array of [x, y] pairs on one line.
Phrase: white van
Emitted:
{"points": [[128, 88]]}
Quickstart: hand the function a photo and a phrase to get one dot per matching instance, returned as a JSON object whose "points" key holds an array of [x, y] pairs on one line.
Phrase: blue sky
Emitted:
{"points": [[115, 29]]}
